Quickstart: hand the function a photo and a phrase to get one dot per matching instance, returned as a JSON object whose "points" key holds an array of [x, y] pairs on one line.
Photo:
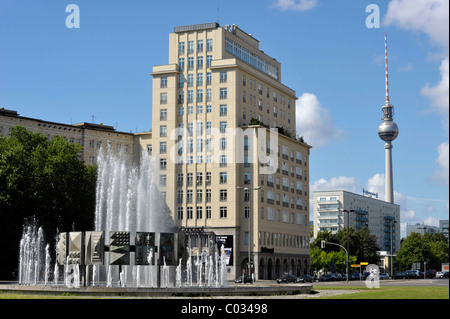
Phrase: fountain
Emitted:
{"points": [[128, 200]]}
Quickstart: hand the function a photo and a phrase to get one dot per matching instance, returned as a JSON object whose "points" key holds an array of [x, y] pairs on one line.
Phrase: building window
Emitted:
{"points": [[179, 213], [162, 180], [199, 212], [208, 212], [189, 212], [163, 114], [181, 48], [162, 147], [209, 45], [223, 93], [163, 82], [223, 195], [223, 212], [163, 164], [223, 177], [223, 77], [163, 131], [200, 46]]}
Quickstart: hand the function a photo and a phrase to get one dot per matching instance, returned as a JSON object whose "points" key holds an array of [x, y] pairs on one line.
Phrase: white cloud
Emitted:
{"points": [[314, 122], [426, 16], [296, 5], [442, 175], [439, 94], [335, 183]]}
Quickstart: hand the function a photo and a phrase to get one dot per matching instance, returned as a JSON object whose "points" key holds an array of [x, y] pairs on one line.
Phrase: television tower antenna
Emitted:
{"points": [[388, 131]]}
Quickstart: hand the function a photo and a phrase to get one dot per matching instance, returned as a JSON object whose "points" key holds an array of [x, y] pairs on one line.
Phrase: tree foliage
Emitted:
{"points": [[44, 180], [362, 247], [417, 248]]}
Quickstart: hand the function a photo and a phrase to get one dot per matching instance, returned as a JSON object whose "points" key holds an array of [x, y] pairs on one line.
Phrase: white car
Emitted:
{"points": [[439, 274]]}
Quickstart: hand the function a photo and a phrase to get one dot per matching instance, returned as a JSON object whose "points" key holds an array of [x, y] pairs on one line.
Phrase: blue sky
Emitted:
{"points": [[100, 72]]}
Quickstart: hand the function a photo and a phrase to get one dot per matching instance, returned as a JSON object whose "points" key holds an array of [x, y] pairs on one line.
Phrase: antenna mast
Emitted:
{"points": [[386, 64], [217, 11]]}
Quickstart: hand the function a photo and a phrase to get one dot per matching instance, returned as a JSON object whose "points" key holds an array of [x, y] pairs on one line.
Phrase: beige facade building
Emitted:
{"points": [[218, 169], [221, 167], [90, 136]]}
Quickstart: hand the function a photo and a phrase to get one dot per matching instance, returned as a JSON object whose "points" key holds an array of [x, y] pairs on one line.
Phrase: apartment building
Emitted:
{"points": [[213, 106], [336, 210], [89, 135]]}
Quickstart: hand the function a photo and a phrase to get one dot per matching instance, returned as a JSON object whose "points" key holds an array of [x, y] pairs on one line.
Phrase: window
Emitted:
{"points": [[223, 195], [208, 196], [208, 60], [223, 109], [223, 77], [199, 75], [163, 82], [223, 178], [200, 46], [190, 96], [223, 212], [208, 212], [163, 131], [189, 196], [199, 95], [208, 178], [247, 178], [190, 80], [190, 63], [208, 108], [149, 149], [199, 179], [179, 213], [180, 179], [223, 160], [190, 47], [199, 197], [162, 147], [209, 45], [180, 111], [181, 48], [163, 164], [246, 212], [199, 212], [189, 179], [223, 93], [223, 143], [163, 114], [181, 64], [223, 127], [180, 97], [189, 212]]}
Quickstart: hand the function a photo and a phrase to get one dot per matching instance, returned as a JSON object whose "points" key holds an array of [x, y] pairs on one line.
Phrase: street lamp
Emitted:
{"points": [[392, 222], [348, 235], [249, 227]]}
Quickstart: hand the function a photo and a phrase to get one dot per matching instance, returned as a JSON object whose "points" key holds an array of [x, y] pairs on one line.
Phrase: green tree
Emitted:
{"points": [[44, 180], [417, 248]]}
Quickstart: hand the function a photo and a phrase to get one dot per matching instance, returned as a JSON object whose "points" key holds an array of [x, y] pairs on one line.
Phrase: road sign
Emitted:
{"points": [[364, 263], [355, 265]]}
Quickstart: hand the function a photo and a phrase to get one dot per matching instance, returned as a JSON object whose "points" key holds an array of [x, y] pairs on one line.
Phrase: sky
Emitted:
{"points": [[331, 53]]}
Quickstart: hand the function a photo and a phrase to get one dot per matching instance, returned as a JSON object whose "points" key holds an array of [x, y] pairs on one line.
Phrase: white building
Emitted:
{"points": [[334, 210]]}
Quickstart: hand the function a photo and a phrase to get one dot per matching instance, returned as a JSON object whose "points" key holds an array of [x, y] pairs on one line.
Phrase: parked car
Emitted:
{"points": [[415, 274], [439, 274], [328, 277], [430, 273], [287, 279], [355, 276], [384, 276], [409, 274], [305, 278], [445, 275], [247, 279]]}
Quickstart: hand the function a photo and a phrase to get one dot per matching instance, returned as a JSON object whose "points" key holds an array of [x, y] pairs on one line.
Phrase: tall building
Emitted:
{"points": [[388, 132], [382, 218], [221, 168]]}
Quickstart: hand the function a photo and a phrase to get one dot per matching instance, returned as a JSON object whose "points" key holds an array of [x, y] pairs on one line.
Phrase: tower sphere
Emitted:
{"points": [[388, 131]]}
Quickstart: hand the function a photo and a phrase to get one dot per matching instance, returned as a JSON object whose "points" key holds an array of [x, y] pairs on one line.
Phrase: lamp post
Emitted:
{"points": [[249, 227], [392, 222], [348, 235]]}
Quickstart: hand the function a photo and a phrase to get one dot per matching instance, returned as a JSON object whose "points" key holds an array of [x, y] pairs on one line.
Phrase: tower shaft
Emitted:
{"points": [[389, 180]]}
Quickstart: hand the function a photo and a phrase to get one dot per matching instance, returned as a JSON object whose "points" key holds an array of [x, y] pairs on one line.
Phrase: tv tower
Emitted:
{"points": [[388, 131]]}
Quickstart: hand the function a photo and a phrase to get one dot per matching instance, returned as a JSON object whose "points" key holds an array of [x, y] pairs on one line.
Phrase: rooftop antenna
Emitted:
{"points": [[217, 11]]}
